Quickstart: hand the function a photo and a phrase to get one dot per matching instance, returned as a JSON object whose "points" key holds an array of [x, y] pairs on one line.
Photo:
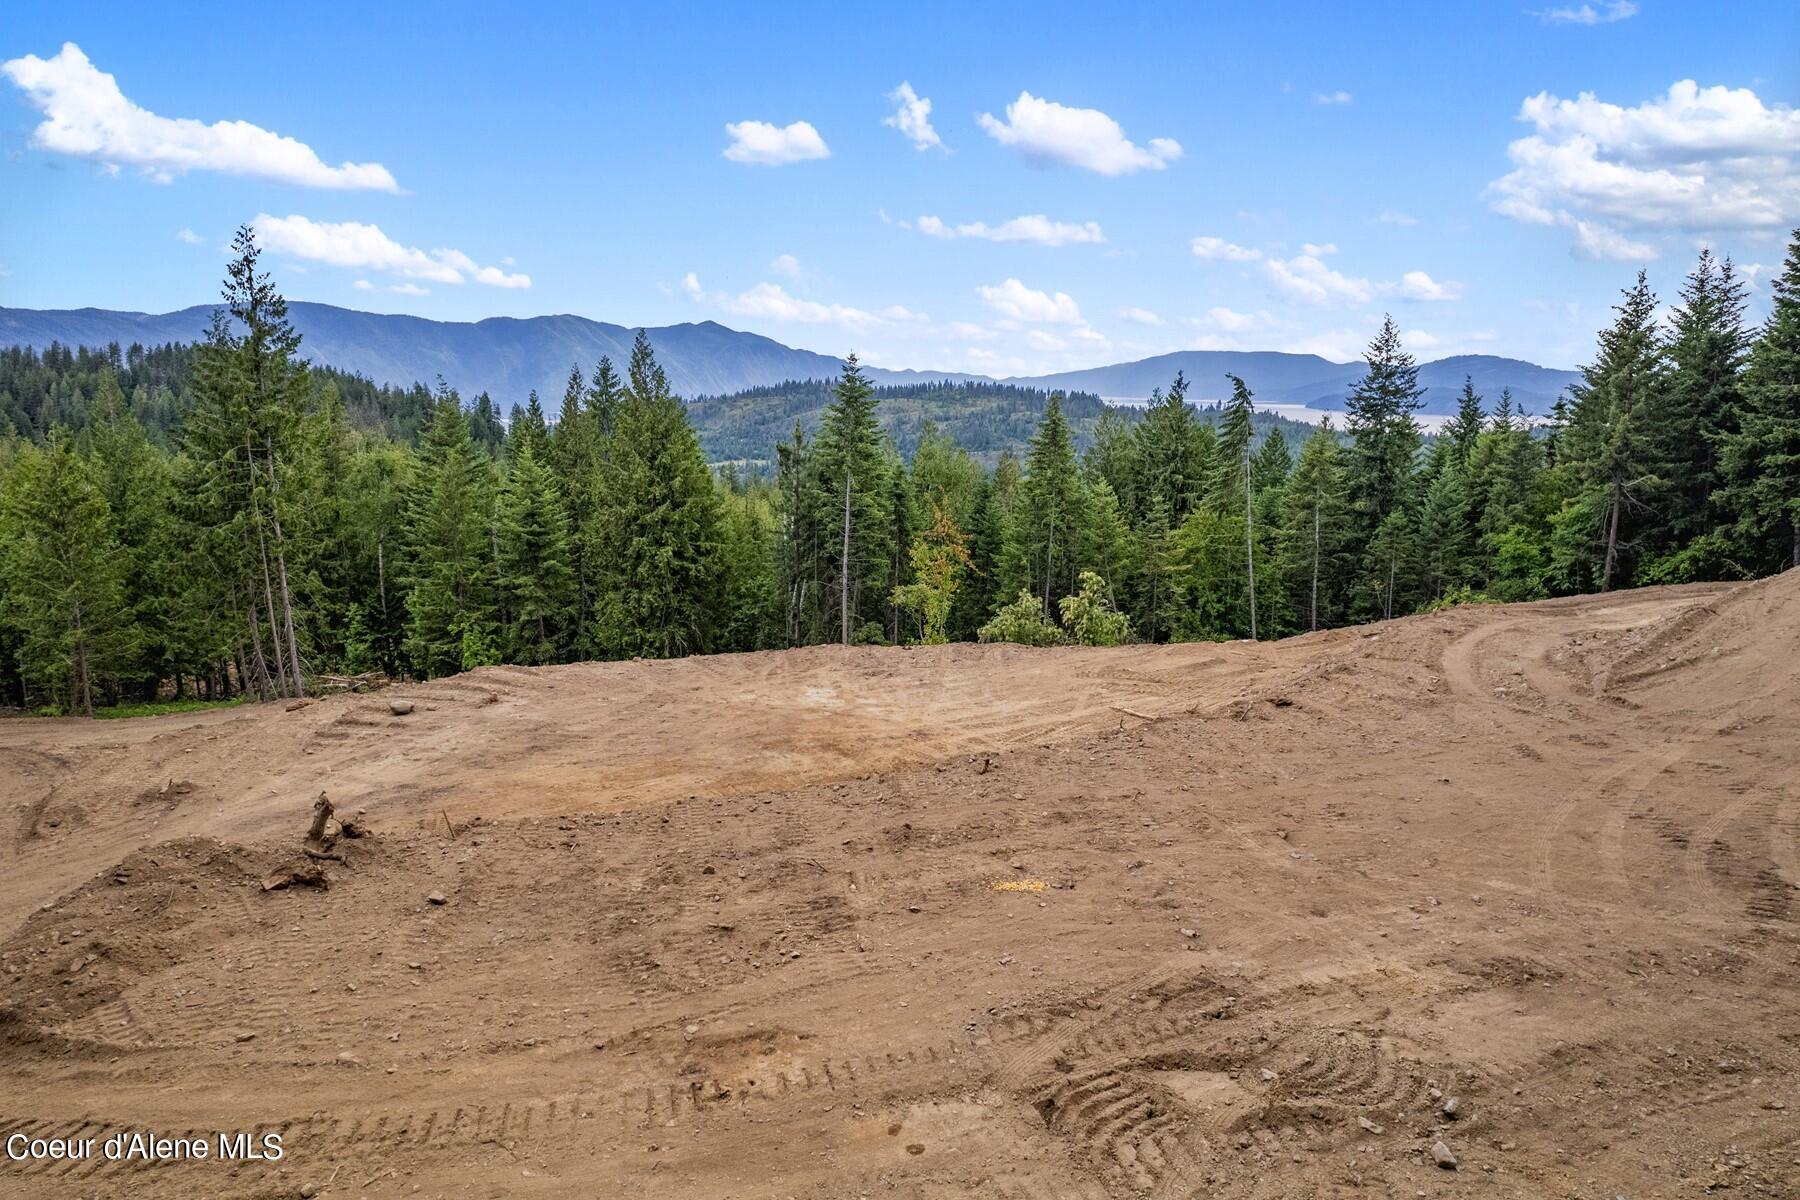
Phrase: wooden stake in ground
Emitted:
{"points": [[321, 814]]}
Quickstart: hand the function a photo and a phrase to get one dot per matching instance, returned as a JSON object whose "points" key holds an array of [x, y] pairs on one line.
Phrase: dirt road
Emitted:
{"points": [[1194, 921]]}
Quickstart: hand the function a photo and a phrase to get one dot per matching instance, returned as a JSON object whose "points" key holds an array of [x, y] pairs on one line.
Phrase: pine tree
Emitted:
{"points": [[1107, 545], [1609, 450], [64, 575], [1378, 476], [134, 480], [854, 500], [1760, 461], [535, 580], [1233, 481], [799, 570], [529, 431], [250, 402], [1112, 456], [1314, 529], [1174, 454], [657, 549], [1699, 407], [1462, 429], [1041, 538], [604, 396], [450, 603], [1443, 530]]}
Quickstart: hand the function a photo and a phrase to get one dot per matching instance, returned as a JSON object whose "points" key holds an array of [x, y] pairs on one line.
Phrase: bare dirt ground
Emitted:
{"points": [[730, 927]]}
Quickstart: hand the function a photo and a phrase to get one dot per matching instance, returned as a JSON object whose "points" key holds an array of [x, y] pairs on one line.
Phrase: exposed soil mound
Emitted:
{"points": [[1241, 921]]}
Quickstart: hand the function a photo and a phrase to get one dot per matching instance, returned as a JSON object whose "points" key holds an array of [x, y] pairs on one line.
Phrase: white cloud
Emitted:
{"points": [[1390, 217], [1308, 278], [913, 118], [760, 144], [1604, 243], [366, 247], [1338, 97], [363, 285], [1015, 300], [1140, 316], [771, 301], [1035, 228], [1696, 160], [87, 116], [1587, 14], [1212, 247], [189, 237], [786, 265], [1417, 285], [409, 289], [1317, 250], [1046, 131], [1227, 320]]}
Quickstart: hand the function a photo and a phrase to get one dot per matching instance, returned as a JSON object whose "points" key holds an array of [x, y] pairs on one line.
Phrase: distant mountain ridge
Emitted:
{"points": [[507, 357]]}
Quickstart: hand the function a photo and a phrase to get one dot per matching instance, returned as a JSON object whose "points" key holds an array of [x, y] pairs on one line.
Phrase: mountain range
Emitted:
{"points": [[508, 357]]}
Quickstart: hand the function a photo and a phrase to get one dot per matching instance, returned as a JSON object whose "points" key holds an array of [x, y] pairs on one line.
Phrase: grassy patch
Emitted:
{"points": [[159, 707]]}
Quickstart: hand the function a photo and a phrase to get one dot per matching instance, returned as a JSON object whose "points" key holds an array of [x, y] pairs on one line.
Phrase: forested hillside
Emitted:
{"points": [[225, 520]]}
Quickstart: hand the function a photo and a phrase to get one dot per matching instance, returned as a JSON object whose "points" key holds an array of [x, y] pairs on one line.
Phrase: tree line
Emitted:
{"points": [[263, 539]]}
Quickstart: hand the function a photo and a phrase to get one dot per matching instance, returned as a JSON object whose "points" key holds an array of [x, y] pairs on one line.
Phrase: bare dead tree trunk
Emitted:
{"points": [[287, 601], [1250, 541], [1612, 537], [1315, 565], [81, 661], [844, 595]]}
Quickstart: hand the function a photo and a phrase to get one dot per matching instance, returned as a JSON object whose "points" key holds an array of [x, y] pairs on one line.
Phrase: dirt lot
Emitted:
{"points": [[1196, 921]]}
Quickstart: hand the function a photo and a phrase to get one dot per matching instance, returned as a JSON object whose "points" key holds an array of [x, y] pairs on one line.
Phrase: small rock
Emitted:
{"points": [[245, 1036], [693, 1029], [400, 707], [708, 870], [308, 1192], [1369, 1125], [1440, 1154], [347, 1059], [1451, 1108], [437, 898], [913, 908], [1268, 1076], [1190, 933]]}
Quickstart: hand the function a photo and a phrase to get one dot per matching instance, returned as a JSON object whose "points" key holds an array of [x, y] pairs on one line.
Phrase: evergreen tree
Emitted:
{"points": [[605, 395], [243, 436], [752, 599], [1314, 530], [63, 575], [1174, 453], [1112, 456], [529, 432], [1760, 460], [854, 502], [535, 581], [450, 604], [1443, 531], [134, 481], [1041, 538], [1462, 429], [1107, 546], [1698, 408], [658, 544], [1378, 476], [1609, 450], [1233, 481]]}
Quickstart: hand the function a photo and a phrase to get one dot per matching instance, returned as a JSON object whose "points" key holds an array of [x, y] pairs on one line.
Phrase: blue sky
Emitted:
{"points": [[1101, 187]]}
